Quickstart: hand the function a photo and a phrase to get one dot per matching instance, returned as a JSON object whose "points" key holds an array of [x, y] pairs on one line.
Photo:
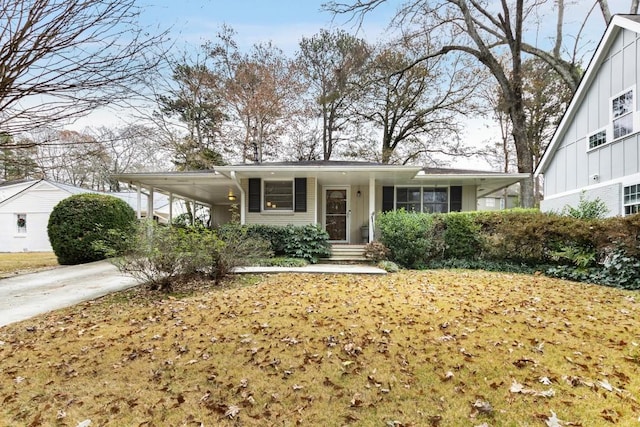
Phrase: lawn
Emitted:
{"points": [[24, 262], [408, 349]]}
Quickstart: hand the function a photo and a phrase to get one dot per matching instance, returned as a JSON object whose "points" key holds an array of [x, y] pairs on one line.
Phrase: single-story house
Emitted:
{"points": [[25, 207], [595, 150], [342, 197]]}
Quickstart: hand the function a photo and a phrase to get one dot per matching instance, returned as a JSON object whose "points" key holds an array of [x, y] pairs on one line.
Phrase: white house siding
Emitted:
{"points": [[610, 194], [598, 171], [283, 218], [37, 203]]}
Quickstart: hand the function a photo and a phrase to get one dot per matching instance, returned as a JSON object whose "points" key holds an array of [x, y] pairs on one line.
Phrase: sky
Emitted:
{"points": [[285, 22]]}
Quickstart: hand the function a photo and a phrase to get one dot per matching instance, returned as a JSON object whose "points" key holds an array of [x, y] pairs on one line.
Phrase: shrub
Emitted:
{"points": [[376, 251], [240, 248], [389, 266], [408, 236], [461, 237], [79, 221], [160, 256], [308, 242], [587, 209]]}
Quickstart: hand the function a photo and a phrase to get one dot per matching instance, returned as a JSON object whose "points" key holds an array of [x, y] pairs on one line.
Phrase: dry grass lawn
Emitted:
{"points": [[408, 349], [23, 262]]}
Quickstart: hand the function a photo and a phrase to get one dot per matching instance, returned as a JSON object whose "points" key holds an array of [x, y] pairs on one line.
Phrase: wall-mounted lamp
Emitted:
{"points": [[358, 193], [231, 196]]}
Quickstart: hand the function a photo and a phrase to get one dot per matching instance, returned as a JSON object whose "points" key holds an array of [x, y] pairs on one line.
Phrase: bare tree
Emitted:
{"points": [[60, 59], [261, 92], [331, 63], [417, 108]]}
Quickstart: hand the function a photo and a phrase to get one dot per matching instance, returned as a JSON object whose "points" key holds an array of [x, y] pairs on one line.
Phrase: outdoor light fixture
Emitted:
{"points": [[231, 196], [359, 193]]}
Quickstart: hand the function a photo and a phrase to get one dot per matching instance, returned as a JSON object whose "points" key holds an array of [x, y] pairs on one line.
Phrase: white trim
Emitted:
{"points": [[326, 188]]}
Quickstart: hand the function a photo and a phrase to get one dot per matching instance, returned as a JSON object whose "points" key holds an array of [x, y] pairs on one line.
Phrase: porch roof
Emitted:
{"points": [[212, 187]]}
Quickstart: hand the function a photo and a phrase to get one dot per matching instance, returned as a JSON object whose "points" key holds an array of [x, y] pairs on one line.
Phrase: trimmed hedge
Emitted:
{"points": [[78, 223], [594, 250]]}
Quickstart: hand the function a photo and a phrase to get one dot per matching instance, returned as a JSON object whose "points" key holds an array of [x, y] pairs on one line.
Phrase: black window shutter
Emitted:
{"points": [[300, 191], [254, 195], [456, 198], [387, 199]]}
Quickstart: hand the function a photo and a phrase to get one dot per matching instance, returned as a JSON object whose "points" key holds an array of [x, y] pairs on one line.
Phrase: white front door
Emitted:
{"points": [[336, 213]]}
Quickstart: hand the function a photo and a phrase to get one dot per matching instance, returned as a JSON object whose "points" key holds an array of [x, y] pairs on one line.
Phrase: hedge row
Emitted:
{"points": [[581, 249]]}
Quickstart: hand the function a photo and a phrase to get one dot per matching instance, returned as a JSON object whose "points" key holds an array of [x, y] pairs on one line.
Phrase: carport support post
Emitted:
{"points": [[139, 210], [150, 204], [170, 209], [372, 207]]}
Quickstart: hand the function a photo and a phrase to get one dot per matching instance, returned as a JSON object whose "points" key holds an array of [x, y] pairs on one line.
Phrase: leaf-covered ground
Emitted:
{"points": [[24, 262], [413, 348]]}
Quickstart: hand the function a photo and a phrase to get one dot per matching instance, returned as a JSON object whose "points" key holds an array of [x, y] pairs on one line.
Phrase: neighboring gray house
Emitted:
{"points": [[596, 147]]}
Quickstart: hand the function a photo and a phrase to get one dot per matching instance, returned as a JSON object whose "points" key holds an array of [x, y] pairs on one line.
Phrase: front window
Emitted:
{"points": [[21, 223], [622, 114], [278, 195], [632, 199], [435, 200], [409, 199], [423, 199]]}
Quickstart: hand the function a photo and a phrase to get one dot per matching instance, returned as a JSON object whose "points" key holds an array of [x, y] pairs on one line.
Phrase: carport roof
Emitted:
{"points": [[212, 186]]}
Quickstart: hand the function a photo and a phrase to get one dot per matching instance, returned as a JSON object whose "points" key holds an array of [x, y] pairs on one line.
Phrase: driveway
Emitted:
{"points": [[25, 296]]}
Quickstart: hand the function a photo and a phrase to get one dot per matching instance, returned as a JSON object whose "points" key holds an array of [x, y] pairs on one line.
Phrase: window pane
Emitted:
{"points": [[435, 200], [598, 139], [623, 104], [278, 195], [623, 126]]}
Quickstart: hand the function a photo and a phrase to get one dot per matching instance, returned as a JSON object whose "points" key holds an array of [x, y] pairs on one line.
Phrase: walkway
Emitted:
{"points": [[315, 268]]}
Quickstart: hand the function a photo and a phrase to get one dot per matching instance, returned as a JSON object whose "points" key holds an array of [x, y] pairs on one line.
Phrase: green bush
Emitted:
{"points": [[461, 235], [240, 248], [408, 237], [308, 242], [587, 209], [79, 221]]}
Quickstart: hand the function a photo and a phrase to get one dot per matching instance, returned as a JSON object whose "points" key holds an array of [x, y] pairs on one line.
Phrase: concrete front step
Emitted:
{"points": [[346, 253]]}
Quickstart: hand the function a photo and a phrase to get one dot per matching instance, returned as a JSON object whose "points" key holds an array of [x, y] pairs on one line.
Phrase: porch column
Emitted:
{"points": [[139, 205], [372, 207], [150, 204]]}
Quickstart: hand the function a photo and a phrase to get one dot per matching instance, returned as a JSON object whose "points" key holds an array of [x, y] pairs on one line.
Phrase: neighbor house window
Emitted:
{"points": [[422, 199], [278, 195], [622, 107], [597, 139], [632, 199], [21, 223]]}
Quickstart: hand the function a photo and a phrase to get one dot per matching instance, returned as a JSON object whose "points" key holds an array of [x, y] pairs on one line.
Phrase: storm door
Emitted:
{"points": [[336, 217]]}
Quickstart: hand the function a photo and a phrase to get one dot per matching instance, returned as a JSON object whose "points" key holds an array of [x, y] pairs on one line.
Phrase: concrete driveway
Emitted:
{"points": [[25, 296]]}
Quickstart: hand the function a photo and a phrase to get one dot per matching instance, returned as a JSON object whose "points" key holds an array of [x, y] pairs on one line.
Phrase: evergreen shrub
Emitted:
{"points": [[79, 221]]}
